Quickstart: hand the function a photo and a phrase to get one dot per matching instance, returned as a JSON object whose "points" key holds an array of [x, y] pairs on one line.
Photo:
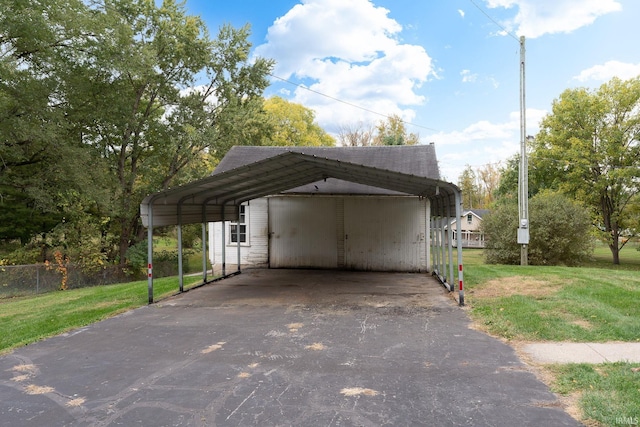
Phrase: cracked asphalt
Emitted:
{"points": [[280, 348]]}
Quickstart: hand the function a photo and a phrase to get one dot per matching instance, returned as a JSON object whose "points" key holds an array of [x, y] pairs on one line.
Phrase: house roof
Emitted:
{"points": [[480, 213], [419, 160], [250, 172]]}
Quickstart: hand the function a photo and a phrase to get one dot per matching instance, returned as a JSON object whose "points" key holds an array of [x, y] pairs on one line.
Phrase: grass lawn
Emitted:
{"points": [[608, 394], [594, 302], [28, 319]]}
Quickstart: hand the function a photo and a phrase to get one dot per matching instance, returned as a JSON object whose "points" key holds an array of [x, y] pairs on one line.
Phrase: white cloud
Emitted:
{"points": [[482, 143], [348, 50], [538, 17], [608, 70], [461, 12], [468, 77]]}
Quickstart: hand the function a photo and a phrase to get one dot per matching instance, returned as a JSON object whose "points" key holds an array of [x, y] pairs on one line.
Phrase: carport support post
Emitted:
{"points": [[150, 253], [436, 243], [443, 255], [238, 237], [204, 243], [180, 275], [224, 252], [458, 198], [431, 236], [450, 245]]}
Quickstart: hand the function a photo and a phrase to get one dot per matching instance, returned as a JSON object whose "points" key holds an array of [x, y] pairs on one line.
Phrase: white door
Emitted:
{"points": [[302, 232], [384, 234]]}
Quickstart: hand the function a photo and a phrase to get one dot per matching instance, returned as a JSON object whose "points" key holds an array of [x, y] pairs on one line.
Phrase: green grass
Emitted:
{"points": [[29, 319], [595, 302], [609, 393], [566, 303]]}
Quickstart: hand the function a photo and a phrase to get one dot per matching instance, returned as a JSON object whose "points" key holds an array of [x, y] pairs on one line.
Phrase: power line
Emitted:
{"points": [[349, 103], [494, 21]]}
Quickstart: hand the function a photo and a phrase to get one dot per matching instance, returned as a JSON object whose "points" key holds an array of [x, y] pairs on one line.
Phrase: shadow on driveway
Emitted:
{"points": [[280, 347]]}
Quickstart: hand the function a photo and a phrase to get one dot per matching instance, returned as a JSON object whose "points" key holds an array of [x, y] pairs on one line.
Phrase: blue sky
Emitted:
{"points": [[450, 68]]}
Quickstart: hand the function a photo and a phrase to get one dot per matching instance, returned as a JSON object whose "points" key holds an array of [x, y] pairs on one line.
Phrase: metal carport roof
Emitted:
{"points": [[217, 197]]}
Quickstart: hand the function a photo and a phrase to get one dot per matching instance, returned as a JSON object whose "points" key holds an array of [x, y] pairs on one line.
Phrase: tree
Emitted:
{"points": [[488, 181], [469, 188], [152, 125], [294, 125], [42, 161], [559, 231], [356, 135], [589, 148], [394, 132], [103, 102], [479, 186]]}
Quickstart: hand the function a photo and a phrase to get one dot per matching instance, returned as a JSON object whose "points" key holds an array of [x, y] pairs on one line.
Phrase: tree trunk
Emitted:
{"points": [[124, 242], [613, 245]]}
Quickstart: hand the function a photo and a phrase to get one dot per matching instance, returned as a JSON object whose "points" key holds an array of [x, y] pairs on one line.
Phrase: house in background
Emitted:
{"points": [[331, 223], [472, 235]]}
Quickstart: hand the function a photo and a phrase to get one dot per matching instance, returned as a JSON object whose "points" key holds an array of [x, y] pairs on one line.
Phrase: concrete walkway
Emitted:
{"points": [[570, 352]]}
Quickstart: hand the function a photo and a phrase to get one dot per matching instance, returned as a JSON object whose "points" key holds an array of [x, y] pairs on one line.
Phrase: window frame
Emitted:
{"points": [[243, 222]]}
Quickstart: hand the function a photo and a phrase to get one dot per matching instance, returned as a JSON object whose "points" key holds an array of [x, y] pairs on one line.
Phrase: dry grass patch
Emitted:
{"points": [[357, 391], [317, 346], [584, 324], [213, 347], [515, 285], [76, 402], [24, 368], [36, 389], [293, 327]]}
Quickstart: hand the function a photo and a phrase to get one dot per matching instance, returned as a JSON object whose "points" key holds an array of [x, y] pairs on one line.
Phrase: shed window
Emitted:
{"points": [[242, 223]]}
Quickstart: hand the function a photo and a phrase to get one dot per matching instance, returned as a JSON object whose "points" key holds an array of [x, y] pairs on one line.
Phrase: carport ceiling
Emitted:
{"points": [[216, 198]]}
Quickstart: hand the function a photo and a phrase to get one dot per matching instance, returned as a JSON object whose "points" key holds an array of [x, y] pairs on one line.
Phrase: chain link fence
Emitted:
{"points": [[32, 279]]}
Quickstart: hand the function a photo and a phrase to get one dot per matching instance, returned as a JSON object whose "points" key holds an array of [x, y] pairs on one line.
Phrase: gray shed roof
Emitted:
{"points": [[250, 172], [419, 160]]}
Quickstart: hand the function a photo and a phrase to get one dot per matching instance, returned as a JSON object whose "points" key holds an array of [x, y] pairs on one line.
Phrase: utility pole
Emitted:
{"points": [[523, 173]]}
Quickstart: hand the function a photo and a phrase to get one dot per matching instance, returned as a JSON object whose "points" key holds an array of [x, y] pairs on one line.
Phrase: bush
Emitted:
{"points": [[559, 231], [165, 262]]}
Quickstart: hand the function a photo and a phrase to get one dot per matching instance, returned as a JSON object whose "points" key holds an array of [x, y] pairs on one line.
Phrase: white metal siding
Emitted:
{"points": [[255, 250], [385, 234], [303, 232], [361, 233]]}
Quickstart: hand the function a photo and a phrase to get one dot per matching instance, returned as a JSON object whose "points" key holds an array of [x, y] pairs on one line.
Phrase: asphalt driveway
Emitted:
{"points": [[280, 348]]}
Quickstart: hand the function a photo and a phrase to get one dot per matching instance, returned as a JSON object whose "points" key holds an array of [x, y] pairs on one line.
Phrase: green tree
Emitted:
{"points": [[42, 161], [589, 148], [559, 231], [394, 132], [151, 122], [294, 125], [104, 102]]}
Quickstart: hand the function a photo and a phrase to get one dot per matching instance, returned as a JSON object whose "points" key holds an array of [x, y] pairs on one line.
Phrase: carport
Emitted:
{"points": [[218, 197]]}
